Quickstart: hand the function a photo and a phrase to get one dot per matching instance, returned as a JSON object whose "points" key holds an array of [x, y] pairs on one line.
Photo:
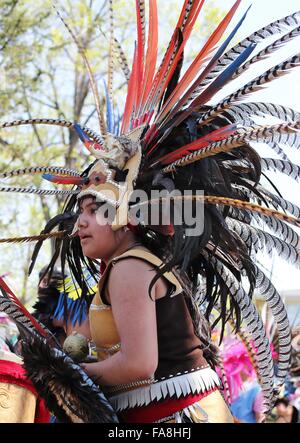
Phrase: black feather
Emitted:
{"points": [[67, 390]]}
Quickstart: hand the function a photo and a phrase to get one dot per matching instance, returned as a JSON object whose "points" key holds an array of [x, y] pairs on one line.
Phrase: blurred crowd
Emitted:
{"points": [[242, 390]]}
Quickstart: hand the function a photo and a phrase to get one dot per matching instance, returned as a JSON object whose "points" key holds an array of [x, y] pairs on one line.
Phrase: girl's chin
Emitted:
{"points": [[89, 252]]}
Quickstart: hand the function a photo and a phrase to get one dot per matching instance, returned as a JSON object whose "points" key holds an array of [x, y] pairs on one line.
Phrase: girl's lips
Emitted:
{"points": [[86, 237]]}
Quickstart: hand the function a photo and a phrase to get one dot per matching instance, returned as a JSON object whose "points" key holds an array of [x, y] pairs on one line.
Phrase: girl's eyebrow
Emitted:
{"points": [[87, 205]]}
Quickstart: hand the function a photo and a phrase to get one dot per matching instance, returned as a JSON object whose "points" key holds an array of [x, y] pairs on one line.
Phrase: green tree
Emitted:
{"points": [[43, 75]]}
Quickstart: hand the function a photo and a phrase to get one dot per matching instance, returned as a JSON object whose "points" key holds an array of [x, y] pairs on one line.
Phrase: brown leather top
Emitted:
{"points": [[178, 346]]}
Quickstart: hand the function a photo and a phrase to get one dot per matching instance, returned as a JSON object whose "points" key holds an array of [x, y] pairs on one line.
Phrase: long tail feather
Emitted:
{"points": [[225, 201], [284, 167], [270, 30], [140, 17], [274, 301], [255, 328], [34, 170], [252, 86], [174, 52], [10, 304], [256, 239], [130, 98], [54, 122], [33, 238], [38, 191], [204, 141], [151, 55], [260, 133], [110, 56], [121, 57], [240, 111], [267, 51], [198, 61]]}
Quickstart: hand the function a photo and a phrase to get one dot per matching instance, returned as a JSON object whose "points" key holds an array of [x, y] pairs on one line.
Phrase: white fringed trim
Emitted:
{"points": [[195, 382]]}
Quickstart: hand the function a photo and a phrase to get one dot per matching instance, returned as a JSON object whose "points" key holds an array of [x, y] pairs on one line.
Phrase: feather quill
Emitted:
{"points": [[53, 122], [32, 238]]}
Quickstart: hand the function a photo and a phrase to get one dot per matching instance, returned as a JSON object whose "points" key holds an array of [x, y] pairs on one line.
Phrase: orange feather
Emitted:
{"points": [[195, 66], [151, 56], [170, 62]]}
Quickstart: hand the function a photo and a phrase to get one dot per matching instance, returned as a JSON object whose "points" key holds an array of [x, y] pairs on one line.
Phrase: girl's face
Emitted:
{"points": [[97, 238]]}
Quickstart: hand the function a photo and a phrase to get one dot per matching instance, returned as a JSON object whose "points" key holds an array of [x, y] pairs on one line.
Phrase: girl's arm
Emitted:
{"points": [[135, 317]]}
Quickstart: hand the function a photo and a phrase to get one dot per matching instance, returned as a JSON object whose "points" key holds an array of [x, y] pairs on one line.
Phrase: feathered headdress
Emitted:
{"points": [[175, 135]]}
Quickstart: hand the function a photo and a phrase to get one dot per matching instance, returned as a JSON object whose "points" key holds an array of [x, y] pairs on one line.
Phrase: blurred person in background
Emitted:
{"points": [[286, 412], [245, 394]]}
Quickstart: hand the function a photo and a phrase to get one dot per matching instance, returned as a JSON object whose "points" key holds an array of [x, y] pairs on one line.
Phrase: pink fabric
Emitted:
{"points": [[258, 406], [236, 362]]}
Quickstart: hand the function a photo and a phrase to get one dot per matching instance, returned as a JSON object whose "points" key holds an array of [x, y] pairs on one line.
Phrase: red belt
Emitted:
{"points": [[158, 410]]}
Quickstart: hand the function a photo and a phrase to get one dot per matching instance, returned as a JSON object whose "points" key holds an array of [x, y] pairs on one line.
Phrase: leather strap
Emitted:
{"points": [[144, 255]]}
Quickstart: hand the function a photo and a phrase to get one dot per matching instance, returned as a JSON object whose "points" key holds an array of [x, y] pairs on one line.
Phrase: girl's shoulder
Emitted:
{"points": [[140, 263]]}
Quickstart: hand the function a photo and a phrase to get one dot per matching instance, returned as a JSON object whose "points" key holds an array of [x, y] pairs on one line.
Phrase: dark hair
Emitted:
{"points": [[284, 400], [56, 274]]}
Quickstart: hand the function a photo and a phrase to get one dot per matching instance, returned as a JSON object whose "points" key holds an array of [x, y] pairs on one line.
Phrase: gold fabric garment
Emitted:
{"points": [[17, 404], [211, 409], [103, 328]]}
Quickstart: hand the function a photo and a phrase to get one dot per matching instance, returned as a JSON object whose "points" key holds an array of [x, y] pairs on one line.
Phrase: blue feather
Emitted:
{"points": [[59, 311], [109, 111], [76, 309], [228, 39], [48, 177], [118, 120], [226, 75], [81, 134]]}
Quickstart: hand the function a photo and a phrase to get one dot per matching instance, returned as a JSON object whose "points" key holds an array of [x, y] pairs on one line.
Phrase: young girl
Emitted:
{"points": [[150, 360]]}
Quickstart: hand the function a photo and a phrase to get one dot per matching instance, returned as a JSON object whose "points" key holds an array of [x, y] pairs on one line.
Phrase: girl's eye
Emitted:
{"points": [[93, 210]]}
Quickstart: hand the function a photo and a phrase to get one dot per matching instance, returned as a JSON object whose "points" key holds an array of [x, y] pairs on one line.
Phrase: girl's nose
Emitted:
{"points": [[82, 222]]}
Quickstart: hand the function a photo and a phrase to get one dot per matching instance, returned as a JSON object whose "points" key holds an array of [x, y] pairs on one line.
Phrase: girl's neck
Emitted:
{"points": [[128, 241]]}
